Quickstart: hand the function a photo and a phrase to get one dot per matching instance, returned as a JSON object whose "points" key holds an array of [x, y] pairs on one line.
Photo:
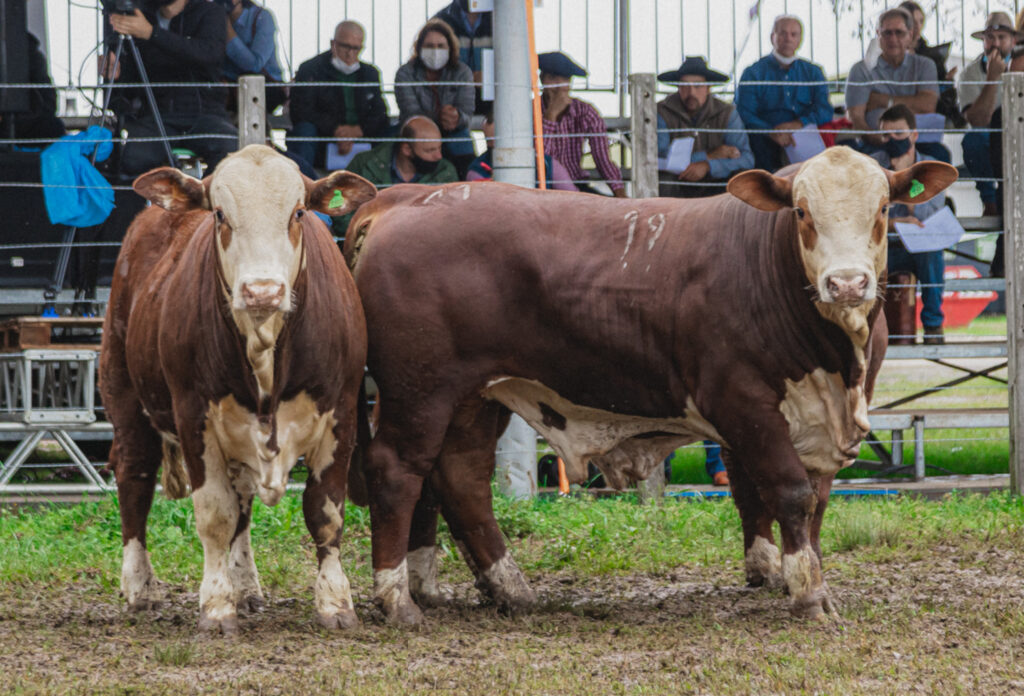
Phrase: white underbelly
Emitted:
{"points": [[622, 446]]}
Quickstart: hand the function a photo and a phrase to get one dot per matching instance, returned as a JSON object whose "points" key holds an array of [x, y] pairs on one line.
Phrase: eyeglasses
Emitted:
{"points": [[346, 47], [893, 32]]}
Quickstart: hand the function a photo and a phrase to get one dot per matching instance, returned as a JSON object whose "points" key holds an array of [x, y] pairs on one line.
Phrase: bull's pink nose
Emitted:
{"points": [[262, 296], [847, 287]]}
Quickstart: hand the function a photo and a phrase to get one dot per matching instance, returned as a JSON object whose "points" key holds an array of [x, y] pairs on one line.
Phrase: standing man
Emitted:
{"points": [[898, 128], [352, 110], [898, 77], [716, 155], [782, 107], [979, 102]]}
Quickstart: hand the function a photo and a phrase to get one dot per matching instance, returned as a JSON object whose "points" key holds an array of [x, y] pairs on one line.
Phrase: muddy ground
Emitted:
{"points": [[945, 619]]}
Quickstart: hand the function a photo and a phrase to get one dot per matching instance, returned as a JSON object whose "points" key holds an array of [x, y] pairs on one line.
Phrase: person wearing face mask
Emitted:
{"points": [[898, 127], [435, 83], [252, 49], [351, 110], [475, 34], [415, 159], [980, 101], [780, 106]]}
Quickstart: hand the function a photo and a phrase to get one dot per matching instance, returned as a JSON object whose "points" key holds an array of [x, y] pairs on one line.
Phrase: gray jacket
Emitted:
{"points": [[419, 100]]}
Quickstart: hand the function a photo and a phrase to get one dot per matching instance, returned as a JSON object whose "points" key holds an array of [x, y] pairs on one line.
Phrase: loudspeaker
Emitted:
{"points": [[13, 56]]}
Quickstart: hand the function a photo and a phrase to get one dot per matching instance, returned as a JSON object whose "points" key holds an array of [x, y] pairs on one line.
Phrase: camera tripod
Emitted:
{"points": [[60, 271]]}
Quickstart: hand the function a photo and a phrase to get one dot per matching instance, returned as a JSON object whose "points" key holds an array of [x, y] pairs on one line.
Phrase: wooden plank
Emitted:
{"points": [[1013, 211], [645, 135]]}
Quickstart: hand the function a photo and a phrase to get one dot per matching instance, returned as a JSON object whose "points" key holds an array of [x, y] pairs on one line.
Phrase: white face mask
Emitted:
{"points": [[343, 67], [783, 60], [434, 58]]}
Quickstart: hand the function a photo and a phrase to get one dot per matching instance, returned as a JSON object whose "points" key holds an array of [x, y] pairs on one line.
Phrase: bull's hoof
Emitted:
{"points": [[143, 604], [817, 606], [438, 597], [227, 625], [251, 604], [404, 614], [773, 581], [523, 601], [342, 620]]}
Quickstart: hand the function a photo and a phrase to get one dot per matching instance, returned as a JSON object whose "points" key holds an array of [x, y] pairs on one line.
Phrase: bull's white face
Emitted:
{"points": [[840, 201], [258, 200]]}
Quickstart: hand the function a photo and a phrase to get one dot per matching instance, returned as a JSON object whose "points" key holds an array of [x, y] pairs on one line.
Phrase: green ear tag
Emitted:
{"points": [[916, 188], [338, 200]]}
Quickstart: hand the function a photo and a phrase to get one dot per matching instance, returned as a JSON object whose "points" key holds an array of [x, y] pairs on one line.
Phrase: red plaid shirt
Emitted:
{"points": [[581, 117]]}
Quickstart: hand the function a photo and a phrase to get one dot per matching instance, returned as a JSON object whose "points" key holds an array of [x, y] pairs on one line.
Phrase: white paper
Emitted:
{"points": [[487, 74], [807, 143], [336, 161], [481, 5], [680, 152], [940, 231], [930, 122]]}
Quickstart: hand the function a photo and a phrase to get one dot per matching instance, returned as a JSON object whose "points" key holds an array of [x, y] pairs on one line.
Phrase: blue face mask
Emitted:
{"points": [[897, 148]]}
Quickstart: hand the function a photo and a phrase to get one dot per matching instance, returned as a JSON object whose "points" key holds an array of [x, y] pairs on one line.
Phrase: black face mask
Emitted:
{"points": [[423, 166], [897, 148]]}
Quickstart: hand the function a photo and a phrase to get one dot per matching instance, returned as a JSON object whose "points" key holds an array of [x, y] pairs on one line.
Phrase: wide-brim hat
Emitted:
{"points": [[693, 65], [998, 21], [557, 63]]}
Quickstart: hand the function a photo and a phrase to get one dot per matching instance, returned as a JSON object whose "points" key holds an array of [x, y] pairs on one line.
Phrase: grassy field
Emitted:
{"points": [[633, 600]]}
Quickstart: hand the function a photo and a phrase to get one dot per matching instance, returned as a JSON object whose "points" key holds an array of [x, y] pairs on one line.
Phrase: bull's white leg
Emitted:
{"points": [[391, 594], [423, 584], [245, 579], [807, 589], [764, 564], [508, 586], [138, 583], [216, 507], [332, 594]]}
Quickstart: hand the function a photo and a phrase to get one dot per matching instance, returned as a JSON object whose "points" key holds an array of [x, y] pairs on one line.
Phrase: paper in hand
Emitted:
{"points": [[940, 231], [680, 152], [807, 143]]}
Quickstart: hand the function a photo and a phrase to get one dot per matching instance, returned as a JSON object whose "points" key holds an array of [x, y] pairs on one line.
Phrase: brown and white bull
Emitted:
{"points": [[621, 330], [234, 343]]}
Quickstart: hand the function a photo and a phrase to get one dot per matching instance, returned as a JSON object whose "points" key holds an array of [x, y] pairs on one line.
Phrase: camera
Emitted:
{"points": [[125, 7]]}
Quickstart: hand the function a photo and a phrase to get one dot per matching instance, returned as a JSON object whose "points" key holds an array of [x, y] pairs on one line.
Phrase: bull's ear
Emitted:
{"points": [[338, 193], [762, 190], [919, 182], [172, 190]]}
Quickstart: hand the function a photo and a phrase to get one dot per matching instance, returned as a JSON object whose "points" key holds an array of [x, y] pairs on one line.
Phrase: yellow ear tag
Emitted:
{"points": [[338, 200], [916, 188]]}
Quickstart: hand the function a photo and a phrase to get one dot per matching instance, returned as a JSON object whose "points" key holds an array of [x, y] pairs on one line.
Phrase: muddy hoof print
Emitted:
{"points": [[343, 620], [228, 626]]}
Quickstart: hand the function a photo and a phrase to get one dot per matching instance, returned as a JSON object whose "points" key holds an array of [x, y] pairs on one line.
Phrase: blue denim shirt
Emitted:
{"points": [[719, 168], [253, 49], [763, 107]]}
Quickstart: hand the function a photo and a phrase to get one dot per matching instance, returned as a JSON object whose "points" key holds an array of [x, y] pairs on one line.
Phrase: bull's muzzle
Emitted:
{"points": [[262, 297], [850, 287]]}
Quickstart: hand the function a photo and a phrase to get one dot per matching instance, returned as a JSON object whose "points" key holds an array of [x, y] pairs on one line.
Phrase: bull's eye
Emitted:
{"points": [[799, 212], [219, 214], [299, 213], [885, 210]]}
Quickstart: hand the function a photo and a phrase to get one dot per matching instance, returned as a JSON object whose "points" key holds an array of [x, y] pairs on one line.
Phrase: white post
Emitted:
{"points": [[1013, 229], [514, 163], [252, 110]]}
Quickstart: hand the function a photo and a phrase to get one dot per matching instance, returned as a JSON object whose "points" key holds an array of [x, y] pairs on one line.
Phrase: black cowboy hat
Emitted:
{"points": [[693, 65], [557, 63]]}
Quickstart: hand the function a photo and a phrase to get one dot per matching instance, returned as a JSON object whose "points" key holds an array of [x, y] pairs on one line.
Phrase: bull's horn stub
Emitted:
{"points": [[337, 200]]}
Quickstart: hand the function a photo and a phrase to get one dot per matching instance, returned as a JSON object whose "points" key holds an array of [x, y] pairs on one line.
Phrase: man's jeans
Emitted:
{"points": [[929, 267], [979, 164]]}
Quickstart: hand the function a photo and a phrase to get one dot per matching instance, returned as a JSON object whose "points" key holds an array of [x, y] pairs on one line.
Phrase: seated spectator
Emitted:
{"points": [[778, 106], [252, 48], [937, 54], [416, 159], [482, 168], [441, 90], [567, 121], [898, 128], [40, 121], [178, 41], [898, 77], [352, 110], [473, 30], [692, 112], [979, 102]]}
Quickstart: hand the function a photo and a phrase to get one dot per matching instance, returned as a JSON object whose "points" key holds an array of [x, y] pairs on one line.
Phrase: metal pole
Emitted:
{"points": [[622, 67], [516, 457], [1013, 229], [252, 110], [644, 127]]}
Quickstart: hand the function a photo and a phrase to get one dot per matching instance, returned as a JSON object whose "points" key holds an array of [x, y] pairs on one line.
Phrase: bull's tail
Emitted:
{"points": [[173, 477], [357, 492]]}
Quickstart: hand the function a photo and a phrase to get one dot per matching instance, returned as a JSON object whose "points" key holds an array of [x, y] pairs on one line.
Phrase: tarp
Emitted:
{"points": [[76, 194]]}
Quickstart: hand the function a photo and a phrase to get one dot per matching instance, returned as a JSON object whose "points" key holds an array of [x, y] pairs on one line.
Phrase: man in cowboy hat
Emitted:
{"points": [[693, 112], [799, 98], [979, 102], [568, 121]]}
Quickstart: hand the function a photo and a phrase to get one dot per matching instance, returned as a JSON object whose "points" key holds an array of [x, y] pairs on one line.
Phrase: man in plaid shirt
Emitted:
{"points": [[568, 121]]}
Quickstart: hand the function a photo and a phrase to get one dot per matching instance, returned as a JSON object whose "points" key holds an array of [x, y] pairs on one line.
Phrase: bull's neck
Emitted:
{"points": [[260, 346], [852, 320]]}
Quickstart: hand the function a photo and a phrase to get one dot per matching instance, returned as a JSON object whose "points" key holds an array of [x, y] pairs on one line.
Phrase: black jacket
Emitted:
{"points": [[325, 107], [191, 49], [41, 119]]}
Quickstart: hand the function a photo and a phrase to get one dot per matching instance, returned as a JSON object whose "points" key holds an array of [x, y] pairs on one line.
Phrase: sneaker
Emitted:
{"points": [[721, 478], [933, 336]]}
